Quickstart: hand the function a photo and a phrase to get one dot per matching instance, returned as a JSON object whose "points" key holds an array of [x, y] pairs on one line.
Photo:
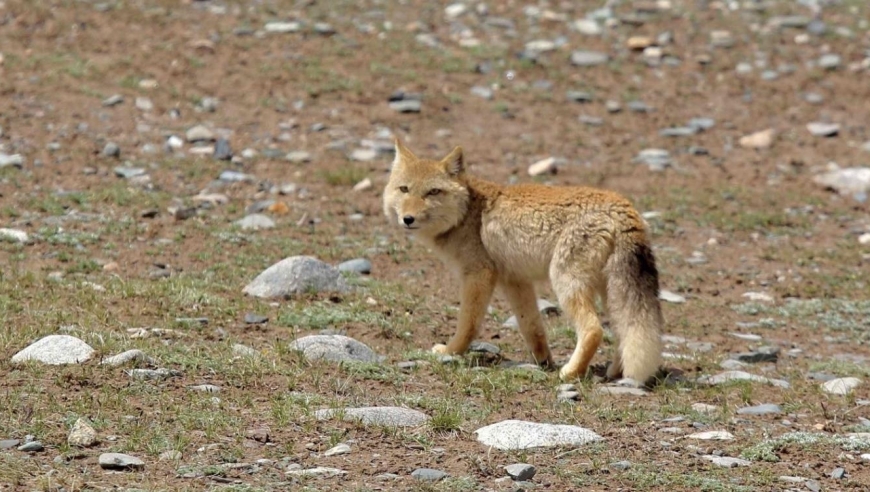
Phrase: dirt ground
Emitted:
{"points": [[145, 263]]}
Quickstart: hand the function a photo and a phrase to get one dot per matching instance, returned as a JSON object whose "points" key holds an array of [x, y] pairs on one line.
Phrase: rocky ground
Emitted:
{"points": [[199, 291]]}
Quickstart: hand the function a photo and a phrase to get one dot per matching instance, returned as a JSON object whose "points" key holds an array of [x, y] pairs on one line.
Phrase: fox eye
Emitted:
{"points": [[403, 189], [433, 192]]}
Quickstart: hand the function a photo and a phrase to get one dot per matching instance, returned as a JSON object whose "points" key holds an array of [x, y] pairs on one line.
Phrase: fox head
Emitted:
{"points": [[426, 196]]}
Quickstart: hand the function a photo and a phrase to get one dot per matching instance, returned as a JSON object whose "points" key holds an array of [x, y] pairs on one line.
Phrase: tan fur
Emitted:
{"points": [[588, 243]]}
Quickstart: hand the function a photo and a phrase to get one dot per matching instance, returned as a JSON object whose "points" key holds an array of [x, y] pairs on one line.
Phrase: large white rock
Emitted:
{"points": [[296, 275], [56, 350], [337, 348], [520, 434], [841, 386]]}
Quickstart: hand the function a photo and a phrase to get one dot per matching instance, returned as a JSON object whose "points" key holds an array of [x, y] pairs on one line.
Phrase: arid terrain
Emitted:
{"points": [[156, 156]]}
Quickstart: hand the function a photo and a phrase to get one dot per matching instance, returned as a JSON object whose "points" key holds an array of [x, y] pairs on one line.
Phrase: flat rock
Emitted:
{"points": [[31, 447], [298, 156], [820, 129], [621, 390], [672, 297], [521, 471], [519, 434], [381, 416], [763, 354], [406, 106], [9, 443], [724, 377], [358, 265], [846, 181], [429, 474], [725, 461], [199, 133], [255, 222], [335, 348], [320, 471], [840, 386], [338, 449], [363, 155], [765, 409], [56, 350], [282, 27], [296, 275], [655, 159], [13, 160], [255, 319], [13, 235], [758, 140], [589, 58], [712, 436], [545, 166], [118, 461], [704, 408], [82, 434]]}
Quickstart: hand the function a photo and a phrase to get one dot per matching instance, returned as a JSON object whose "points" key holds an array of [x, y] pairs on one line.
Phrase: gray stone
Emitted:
{"points": [[830, 61], [765, 409], [813, 486], [222, 150], [113, 100], [793, 21], [621, 390], [655, 159], [320, 471], [118, 461], [725, 461], [701, 124], [638, 107], [846, 181], [31, 447], [14, 160], [205, 388], [380, 416], [567, 396], [731, 365], [579, 96], [358, 265], [406, 106], [255, 319], [13, 235], [763, 354], [129, 172], [672, 297], [841, 386], [56, 350], [588, 27], [110, 150], [678, 131], [484, 348], [621, 465], [338, 449], [363, 155], [153, 374], [170, 455], [712, 436], [82, 434], [255, 222], [583, 58], [282, 27], [727, 376], [518, 434], [838, 473], [429, 474], [821, 129], [482, 92], [144, 104], [244, 351], [521, 471], [9, 443], [199, 133], [335, 348], [235, 177], [298, 156], [296, 275]]}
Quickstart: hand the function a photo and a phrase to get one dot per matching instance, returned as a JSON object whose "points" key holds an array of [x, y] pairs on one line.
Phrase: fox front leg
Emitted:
{"points": [[477, 288]]}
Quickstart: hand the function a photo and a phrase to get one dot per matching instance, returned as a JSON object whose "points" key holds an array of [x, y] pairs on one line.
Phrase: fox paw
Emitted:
{"points": [[567, 373], [439, 349]]}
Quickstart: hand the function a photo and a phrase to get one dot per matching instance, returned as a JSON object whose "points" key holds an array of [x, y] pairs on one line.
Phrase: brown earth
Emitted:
{"points": [[732, 220]]}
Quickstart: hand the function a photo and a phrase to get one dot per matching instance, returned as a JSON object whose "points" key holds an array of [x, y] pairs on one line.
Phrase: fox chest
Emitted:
{"points": [[522, 248]]}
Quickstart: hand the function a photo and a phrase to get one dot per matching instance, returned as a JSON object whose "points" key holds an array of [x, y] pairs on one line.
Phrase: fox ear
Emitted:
{"points": [[402, 152], [454, 163]]}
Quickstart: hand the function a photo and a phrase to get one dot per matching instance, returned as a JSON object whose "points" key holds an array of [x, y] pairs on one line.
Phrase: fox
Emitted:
{"points": [[591, 244]]}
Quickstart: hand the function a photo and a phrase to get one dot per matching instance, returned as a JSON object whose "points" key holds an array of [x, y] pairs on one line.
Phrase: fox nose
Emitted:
{"points": [[408, 219]]}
